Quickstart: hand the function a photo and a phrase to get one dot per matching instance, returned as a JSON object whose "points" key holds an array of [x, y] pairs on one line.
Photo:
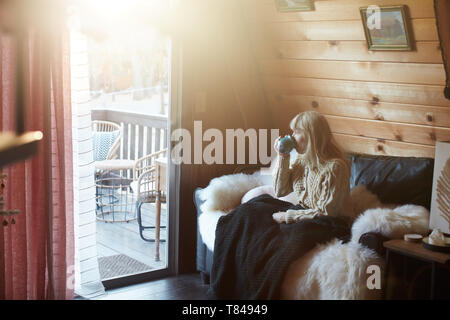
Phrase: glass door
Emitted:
{"points": [[121, 76]]}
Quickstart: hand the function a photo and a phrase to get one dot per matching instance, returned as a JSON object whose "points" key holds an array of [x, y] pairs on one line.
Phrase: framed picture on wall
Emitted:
{"points": [[294, 5], [386, 28]]}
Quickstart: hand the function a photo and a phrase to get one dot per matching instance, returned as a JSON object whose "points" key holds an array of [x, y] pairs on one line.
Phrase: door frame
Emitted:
{"points": [[175, 112], [174, 172]]}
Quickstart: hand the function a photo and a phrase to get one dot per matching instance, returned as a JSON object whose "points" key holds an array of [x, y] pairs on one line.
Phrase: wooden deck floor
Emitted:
{"points": [[123, 238]]}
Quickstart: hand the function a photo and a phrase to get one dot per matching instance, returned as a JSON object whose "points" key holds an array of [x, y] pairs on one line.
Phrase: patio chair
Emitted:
{"points": [[106, 140], [150, 187], [112, 175]]}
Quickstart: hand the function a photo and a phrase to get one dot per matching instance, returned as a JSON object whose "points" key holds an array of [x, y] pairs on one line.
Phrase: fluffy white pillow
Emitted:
{"points": [[225, 193]]}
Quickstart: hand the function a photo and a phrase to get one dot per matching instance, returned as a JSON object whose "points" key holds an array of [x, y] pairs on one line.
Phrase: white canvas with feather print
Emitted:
{"points": [[440, 198]]}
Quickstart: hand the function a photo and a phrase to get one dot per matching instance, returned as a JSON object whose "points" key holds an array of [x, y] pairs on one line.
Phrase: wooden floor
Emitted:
{"points": [[182, 287], [123, 238]]}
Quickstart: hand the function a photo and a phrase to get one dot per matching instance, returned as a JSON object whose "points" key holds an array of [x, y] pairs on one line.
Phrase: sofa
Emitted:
{"points": [[395, 187]]}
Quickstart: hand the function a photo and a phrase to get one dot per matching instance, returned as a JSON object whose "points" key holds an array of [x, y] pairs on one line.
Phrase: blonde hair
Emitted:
{"points": [[321, 145]]}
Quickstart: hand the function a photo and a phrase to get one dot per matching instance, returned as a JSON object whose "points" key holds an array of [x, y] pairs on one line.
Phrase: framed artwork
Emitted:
{"points": [[386, 28], [294, 5], [440, 197]]}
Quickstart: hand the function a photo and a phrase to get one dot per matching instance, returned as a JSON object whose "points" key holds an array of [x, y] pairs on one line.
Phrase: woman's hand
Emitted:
{"points": [[279, 217]]}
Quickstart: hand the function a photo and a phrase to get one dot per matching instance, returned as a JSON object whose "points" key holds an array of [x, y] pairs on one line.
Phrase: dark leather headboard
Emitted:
{"points": [[396, 180]]}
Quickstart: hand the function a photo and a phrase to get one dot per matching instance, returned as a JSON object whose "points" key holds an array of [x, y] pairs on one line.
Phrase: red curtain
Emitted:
{"points": [[37, 252]]}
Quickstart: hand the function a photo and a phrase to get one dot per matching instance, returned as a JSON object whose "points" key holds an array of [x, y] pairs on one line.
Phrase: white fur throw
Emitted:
{"points": [[332, 271], [225, 193], [207, 223], [392, 223]]}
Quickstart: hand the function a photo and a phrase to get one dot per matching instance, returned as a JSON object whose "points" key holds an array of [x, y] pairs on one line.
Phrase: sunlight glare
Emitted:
{"points": [[122, 19]]}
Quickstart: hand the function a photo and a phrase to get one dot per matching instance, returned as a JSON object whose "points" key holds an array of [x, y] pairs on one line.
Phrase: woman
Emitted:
{"points": [[251, 251], [319, 176]]}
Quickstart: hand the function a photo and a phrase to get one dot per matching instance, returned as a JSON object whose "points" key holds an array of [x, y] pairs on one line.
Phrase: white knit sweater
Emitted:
{"points": [[324, 191]]}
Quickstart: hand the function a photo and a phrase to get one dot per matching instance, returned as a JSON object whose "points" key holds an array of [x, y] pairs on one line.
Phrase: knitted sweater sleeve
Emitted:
{"points": [[329, 193], [282, 177]]}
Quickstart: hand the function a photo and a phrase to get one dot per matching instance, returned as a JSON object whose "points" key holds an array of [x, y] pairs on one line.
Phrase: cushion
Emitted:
{"points": [[253, 193], [115, 164], [267, 189], [395, 180], [102, 143]]}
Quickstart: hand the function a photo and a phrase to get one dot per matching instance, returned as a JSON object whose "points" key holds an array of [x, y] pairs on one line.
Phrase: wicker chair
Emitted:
{"points": [[112, 179], [148, 191], [107, 126]]}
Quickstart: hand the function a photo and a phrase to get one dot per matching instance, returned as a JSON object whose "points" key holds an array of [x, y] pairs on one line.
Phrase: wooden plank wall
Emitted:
{"points": [[376, 102]]}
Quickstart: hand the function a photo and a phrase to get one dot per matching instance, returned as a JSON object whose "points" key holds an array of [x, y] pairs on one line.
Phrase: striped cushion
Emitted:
{"points": [[103, 141]]}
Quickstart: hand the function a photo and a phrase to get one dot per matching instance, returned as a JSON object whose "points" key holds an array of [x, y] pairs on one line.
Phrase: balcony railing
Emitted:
{"points": [[142, 133]]}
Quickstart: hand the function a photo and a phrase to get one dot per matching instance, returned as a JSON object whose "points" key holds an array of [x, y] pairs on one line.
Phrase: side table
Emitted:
{"points": [[416, 251]]}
